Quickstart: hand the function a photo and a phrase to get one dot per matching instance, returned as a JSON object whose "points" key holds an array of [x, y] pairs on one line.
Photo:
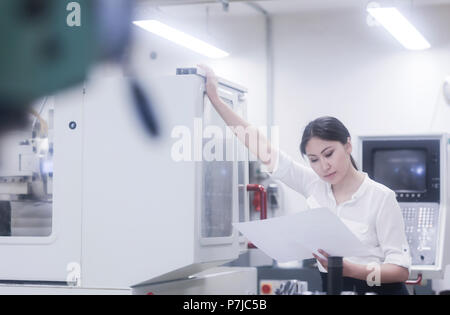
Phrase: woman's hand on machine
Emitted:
{"points": [[211, 83]]}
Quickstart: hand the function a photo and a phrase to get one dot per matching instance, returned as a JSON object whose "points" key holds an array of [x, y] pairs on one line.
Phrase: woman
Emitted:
{"points": [[369, 209]]}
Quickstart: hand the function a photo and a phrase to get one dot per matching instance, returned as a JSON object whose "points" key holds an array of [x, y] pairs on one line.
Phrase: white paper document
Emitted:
{"points": [[297, 236]]}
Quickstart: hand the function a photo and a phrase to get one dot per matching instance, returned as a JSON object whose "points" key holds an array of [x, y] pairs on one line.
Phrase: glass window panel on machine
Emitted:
{"points": [[220, 175], [40, 193], [26, 175], [416, 168]]}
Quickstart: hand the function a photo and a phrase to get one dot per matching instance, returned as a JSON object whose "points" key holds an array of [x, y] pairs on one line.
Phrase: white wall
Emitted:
{"points": [[333, 63], [240, 32]]}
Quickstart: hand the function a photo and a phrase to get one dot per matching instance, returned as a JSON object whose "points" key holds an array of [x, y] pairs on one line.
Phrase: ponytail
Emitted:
{"points": [[353, 162]]}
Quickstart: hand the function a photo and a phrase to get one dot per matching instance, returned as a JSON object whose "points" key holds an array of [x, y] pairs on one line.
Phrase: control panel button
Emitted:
{"points": [[266, 288]]}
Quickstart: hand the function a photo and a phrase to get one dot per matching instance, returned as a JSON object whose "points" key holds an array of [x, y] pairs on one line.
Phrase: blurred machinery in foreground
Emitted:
{"points": [[50, 45]]}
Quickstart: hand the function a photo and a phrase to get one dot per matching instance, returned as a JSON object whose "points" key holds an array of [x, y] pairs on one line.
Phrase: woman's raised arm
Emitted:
{"points": [[250, 136]]}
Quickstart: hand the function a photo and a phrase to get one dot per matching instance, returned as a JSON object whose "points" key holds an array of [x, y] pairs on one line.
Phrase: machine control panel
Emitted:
{"points": [[421, 220]]}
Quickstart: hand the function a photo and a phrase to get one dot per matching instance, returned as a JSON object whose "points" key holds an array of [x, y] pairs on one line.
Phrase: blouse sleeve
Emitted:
{"points": [[391, 233], [293, 174]]}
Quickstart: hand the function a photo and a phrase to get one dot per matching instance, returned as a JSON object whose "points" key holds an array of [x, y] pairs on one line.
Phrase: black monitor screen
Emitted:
{"points": [[401, 170]]}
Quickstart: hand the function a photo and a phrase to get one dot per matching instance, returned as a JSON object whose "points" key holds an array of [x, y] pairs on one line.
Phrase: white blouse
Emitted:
{"points": [[372, 213]]}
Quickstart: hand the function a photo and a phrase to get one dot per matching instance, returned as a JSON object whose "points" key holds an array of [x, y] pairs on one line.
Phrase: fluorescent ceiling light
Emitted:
{"points": [[399, 27], [181, 38]]}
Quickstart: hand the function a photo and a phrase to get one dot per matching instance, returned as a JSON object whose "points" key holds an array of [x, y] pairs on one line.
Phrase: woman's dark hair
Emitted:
{"points": [[326, 128]]}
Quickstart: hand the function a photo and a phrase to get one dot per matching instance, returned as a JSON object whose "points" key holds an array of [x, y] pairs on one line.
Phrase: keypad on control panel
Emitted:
{"points": [[426, 217], [421, 220]]}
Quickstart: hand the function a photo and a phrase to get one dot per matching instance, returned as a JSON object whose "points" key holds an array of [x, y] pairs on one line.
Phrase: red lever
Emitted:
{"points": [[262, 198], [262, 203], [415, 282]]}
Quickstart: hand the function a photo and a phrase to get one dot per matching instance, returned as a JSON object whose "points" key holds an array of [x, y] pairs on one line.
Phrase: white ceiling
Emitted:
{"points": [[194, 8], [286, 6]]}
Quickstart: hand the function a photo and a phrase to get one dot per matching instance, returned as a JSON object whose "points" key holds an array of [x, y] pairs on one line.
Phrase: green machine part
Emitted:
{"points": [[40, 52]]}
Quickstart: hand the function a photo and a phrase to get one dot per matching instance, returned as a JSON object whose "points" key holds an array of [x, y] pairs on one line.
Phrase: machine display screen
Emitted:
{"points": [[401, 170]]}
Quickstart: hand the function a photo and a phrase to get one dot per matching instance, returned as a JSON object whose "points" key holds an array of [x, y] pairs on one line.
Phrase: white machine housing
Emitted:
{"points": [[124, 212]]}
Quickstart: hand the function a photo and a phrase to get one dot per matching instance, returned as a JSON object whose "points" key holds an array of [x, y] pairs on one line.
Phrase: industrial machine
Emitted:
{"points": [[95, 204], [417, 169]]}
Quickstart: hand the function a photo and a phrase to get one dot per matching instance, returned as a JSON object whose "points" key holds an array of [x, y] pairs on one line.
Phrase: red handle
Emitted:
{"points": [[263, 203], [415, 282], [263, 198]]}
